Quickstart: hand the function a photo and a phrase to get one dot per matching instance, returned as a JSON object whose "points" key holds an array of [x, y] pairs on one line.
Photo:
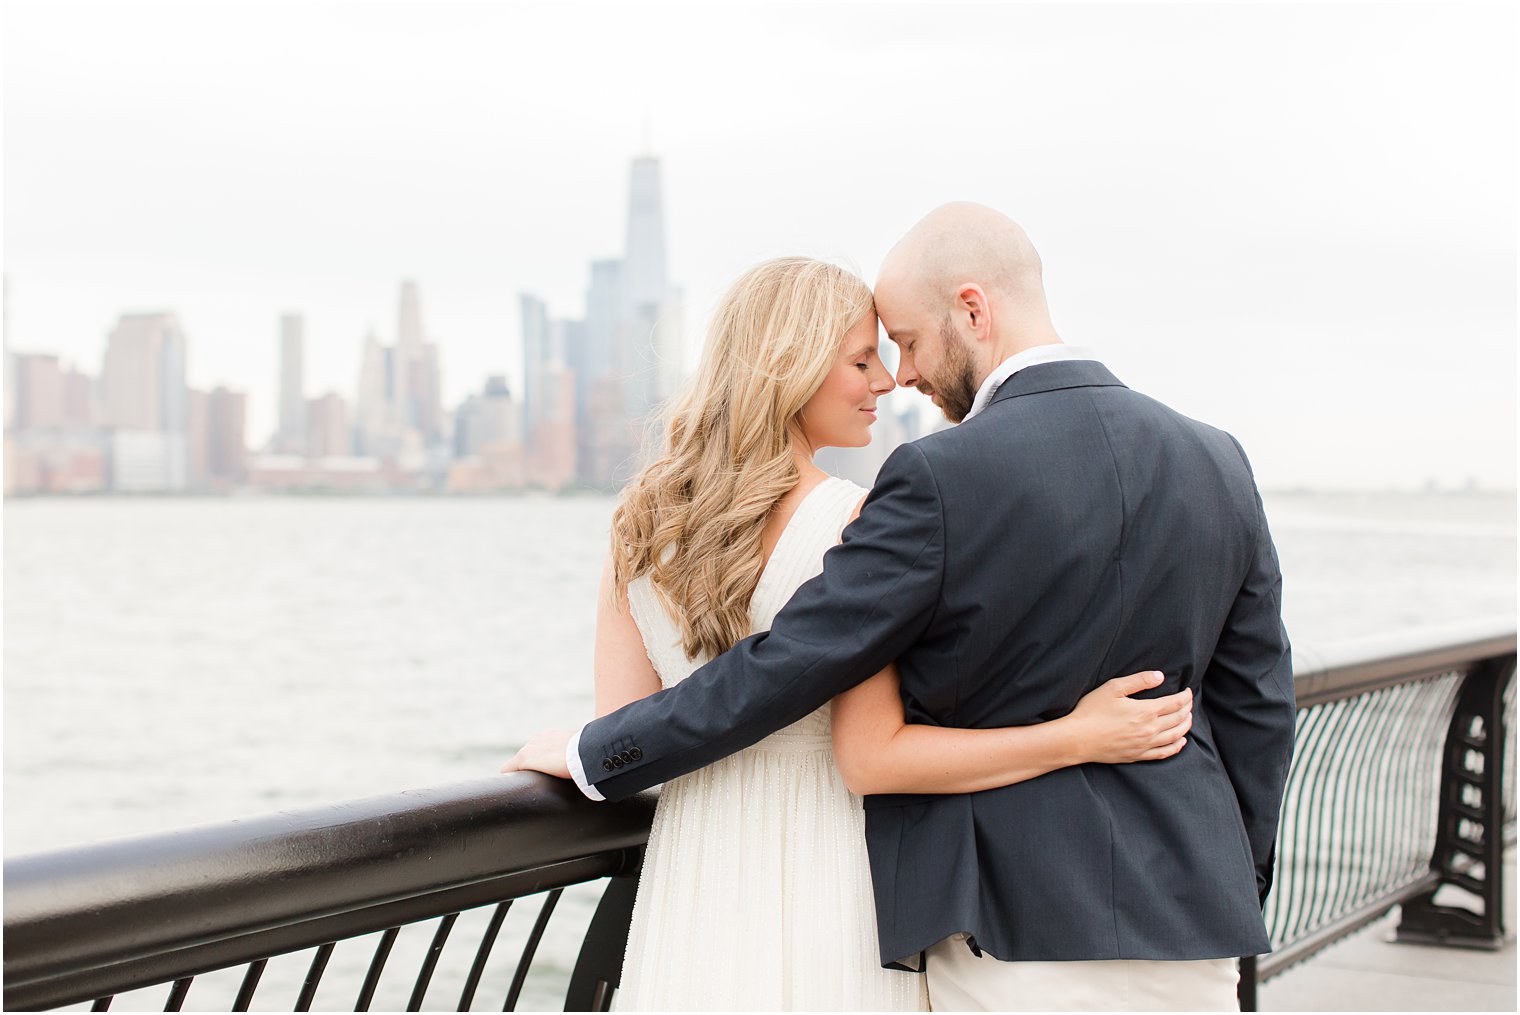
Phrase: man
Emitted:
{"points": [[1068, 531]]}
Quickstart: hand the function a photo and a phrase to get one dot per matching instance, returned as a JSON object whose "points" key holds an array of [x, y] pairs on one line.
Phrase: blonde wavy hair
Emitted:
{"points": [[693, 518]]}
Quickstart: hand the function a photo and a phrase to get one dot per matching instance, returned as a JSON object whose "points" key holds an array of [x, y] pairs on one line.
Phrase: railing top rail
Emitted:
{"points": [[1356, 666], [91, 905]]}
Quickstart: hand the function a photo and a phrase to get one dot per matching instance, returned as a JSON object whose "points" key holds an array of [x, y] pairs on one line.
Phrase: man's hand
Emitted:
{"points": [[544, 752]]}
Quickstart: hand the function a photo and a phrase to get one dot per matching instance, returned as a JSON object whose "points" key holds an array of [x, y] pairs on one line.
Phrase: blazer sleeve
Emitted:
{"points": [[876, 596], [1248, 696]]}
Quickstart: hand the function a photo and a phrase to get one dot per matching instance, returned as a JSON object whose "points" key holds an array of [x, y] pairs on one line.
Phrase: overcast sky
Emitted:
{"points": [[1297, 223]]}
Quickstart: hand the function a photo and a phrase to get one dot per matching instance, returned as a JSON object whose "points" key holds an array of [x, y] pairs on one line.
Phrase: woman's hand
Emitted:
{"points": [[544, 752], [1112, 728]]}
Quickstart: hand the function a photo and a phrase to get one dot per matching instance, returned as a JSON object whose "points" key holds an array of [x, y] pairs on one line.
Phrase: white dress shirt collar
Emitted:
{"points": [[1028, 358]]}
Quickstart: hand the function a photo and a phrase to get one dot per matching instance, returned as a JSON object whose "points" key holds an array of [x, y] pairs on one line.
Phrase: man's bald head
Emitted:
{"points": [[959, 294], [960, 243]]}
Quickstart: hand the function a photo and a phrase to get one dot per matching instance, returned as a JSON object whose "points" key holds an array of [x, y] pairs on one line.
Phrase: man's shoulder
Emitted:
{"points": [[933, 449], [1009, 423]]}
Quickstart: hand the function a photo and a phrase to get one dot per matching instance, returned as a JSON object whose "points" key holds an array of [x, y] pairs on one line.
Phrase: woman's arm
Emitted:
{"points": [[623, 670], [879, 752]]}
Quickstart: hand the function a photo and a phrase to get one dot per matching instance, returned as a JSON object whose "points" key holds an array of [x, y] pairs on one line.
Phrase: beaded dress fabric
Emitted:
{"points": [[755, 892]]}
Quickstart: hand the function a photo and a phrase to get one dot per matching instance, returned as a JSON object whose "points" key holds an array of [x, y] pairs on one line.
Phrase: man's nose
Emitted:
{"points": [[906, 376]]}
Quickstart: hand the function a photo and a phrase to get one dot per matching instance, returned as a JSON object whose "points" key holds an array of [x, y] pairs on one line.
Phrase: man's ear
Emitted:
{"points": [[972, 301]]}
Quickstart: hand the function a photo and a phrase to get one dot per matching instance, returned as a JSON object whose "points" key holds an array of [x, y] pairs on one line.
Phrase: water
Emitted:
{"points": [[171, 661], [174, 661]]}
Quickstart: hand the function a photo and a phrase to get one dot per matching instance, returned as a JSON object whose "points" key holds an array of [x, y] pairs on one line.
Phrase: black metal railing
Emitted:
{"points": [[357, 878], [1400, 789]]}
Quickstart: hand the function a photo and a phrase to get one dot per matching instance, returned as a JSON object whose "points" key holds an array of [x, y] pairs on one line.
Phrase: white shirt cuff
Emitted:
{"points": [[577, 770]]}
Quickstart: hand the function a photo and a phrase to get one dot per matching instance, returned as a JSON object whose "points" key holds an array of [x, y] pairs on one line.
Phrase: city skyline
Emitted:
{"points": [[591, 390], [1275, 218]]}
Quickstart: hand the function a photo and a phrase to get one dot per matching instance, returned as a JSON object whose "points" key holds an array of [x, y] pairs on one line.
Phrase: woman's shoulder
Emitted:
{"points": [[838, 501], [846, 497]]}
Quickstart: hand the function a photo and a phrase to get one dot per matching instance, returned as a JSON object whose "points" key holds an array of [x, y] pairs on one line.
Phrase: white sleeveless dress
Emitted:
{"points": [[755, 892]]}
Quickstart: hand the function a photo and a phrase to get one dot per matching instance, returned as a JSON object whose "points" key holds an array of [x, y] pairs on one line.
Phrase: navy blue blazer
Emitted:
{"points": [[1071, 532]]}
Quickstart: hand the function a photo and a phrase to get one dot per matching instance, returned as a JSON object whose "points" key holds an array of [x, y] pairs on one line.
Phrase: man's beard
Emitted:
{"points": [[956, 385]]}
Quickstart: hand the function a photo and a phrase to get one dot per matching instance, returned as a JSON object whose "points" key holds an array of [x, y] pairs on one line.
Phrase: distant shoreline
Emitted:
{"points": [[586, 492]]}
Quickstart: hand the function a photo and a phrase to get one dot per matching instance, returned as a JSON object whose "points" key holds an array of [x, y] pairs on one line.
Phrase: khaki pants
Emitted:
{"points": [[961, 981]]}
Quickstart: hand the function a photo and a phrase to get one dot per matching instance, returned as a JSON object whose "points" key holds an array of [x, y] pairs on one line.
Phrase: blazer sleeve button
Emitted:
{"points": [[618, 762], [607, 764], [636, 754]]}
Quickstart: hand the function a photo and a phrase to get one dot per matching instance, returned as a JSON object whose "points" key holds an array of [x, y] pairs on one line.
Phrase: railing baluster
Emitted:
{"points": [[376, 966], [1313, 729], [250, 984], [177, 994], [487, 942], [1403, 769], [1507, 707], [314, 976], [1419, 797], [1350, 858], [1331, 814], [1387, 789], [529, 948], [430, 962], [1326, 798]]}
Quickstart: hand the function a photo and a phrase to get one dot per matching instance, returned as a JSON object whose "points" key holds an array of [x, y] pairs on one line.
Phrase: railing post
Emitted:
{"points": [[1246, 990], [1469, 852]]}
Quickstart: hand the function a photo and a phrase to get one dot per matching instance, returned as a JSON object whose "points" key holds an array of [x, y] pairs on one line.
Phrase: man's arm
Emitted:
{"points": [[876, 596], [1248, 696]]}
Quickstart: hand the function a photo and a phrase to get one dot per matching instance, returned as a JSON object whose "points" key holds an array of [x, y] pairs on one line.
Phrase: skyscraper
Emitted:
{"points": [[146, 402], [10, 359], [643, 288], [604, 376], [597, 361], [416, 369], [143, 378], [39, 392], [535, 347], [604, 311], [409, 336], [644, 256], [549, 395], [429, 395], [291, 436], [228, 417], [218, 437], [372, 412], [328, 433], [487, 419], [399, 408]]}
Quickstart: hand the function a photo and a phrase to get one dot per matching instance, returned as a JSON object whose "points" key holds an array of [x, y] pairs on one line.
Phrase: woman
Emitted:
{"points": [[755, 891]]}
